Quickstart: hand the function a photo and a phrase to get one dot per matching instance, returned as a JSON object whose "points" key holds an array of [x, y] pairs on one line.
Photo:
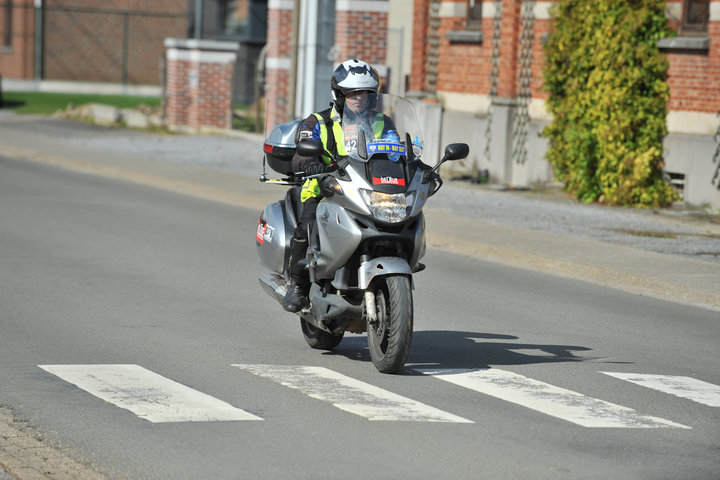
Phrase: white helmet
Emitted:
{"points": [[352, 76]]}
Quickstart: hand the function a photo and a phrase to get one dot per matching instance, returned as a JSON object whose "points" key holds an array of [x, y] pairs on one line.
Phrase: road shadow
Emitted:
{"points": [[468, 350]]}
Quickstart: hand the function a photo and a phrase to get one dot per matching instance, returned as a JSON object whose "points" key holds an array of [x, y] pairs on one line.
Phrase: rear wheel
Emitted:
{"points": [[389, 337], [319, 339]]}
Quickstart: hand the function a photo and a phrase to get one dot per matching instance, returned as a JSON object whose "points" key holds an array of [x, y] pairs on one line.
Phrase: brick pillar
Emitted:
{"points": [[509, 49], [278, 62], [419, 47], [361, 32], [199, 84], [504, 107]]}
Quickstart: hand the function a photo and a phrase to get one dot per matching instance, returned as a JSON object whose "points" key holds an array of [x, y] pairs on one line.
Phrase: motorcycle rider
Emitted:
{"points": [[354, 85]]}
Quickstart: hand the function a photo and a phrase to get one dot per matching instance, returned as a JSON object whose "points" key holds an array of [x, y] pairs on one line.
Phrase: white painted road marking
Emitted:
{"points": [[352, 395], [685, 387], [549, 399], [532, 352], [147, 394]]}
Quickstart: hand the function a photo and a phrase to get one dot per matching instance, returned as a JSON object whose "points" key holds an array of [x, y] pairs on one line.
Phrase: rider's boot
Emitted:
{"points": [[296, 297]]}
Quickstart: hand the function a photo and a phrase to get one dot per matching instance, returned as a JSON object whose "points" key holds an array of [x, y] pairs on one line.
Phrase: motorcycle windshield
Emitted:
{"points": [[381, 126]]}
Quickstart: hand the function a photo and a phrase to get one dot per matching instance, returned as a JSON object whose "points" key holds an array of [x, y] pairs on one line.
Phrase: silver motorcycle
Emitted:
{"points": [[369, 235]]}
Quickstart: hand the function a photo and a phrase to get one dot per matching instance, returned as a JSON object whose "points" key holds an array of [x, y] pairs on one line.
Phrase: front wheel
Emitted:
{"points": [[319, 339], [389, 337]]}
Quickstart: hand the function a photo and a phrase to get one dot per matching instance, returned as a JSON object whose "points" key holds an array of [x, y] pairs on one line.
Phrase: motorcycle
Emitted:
{"points": [[369, 235]]}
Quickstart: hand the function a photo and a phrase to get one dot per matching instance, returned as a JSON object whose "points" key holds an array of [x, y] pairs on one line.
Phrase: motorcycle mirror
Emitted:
{"points": [[310, 148], [456, 151]]}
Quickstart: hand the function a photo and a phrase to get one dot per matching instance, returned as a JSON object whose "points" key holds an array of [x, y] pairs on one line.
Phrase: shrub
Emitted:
{"points": [[608, 96]]}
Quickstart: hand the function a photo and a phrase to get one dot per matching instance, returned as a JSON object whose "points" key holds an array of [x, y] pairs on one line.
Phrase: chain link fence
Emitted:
{"points": [[84, 43]]}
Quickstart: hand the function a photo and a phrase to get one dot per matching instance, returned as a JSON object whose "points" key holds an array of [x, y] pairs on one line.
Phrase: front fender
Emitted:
{"points": [[377, 267]]}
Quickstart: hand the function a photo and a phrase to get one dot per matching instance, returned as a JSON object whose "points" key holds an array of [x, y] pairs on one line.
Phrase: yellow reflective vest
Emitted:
{"points": [[311, 187]]}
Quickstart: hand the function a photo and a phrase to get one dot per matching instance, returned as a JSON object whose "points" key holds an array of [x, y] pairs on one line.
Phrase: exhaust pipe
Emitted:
{"points": [[274, 285]]}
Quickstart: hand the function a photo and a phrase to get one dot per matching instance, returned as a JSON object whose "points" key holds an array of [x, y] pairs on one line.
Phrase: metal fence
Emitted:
{"points": [[105, 44]]}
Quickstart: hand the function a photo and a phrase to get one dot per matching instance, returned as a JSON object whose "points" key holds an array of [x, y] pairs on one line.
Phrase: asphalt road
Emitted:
{"points": [[678, 231], [95, 272]]}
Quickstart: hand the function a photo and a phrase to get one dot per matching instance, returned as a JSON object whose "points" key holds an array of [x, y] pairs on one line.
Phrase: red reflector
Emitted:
{"points": [[267, 148]]}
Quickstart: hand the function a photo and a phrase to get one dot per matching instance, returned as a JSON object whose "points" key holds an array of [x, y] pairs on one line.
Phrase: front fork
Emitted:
{"points": [[370, 308]]}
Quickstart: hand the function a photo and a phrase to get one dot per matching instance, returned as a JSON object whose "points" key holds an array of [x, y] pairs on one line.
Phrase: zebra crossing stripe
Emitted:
{"points": [[685, 387], [147, 394], [549, 399], [352, 395]]}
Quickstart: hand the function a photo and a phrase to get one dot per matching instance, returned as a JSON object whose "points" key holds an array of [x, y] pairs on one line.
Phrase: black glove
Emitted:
{"points": [[314, 167]]}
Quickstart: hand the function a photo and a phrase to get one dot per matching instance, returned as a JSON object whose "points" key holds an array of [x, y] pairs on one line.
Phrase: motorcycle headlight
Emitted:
{"points": [[387, 207]]}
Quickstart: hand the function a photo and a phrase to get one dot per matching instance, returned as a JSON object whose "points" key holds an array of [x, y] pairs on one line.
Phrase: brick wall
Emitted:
{"points": [[361, 35], [16, 60], [278, 63], [212, 96], [462, 87], [177, 96], [694, 82], [118, 41], [464, 67], [420, 30], [199, 85], [694, 77]]}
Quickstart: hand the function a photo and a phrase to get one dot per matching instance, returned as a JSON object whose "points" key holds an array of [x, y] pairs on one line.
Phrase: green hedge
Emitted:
{"points": [[608, 97]]}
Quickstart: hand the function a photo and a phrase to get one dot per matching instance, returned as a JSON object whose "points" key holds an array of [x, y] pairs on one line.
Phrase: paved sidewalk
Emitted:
{"points": [[672, 256]]}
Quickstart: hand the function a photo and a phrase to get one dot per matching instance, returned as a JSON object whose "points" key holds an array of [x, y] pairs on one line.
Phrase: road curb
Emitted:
{"points": [[25, 455]]}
